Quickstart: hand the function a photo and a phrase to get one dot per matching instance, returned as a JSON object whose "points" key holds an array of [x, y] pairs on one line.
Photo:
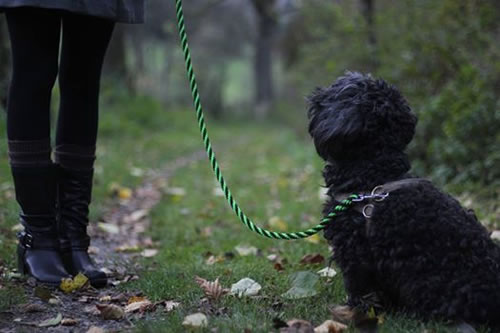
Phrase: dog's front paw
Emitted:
{"points": [[366, 302]]}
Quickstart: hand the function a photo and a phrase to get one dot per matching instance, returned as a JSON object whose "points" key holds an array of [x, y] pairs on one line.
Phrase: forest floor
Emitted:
{"points": [[163, 232]]}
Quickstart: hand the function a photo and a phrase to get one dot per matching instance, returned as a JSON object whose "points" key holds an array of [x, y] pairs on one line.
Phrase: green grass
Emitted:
{"points": [[271, 172]]}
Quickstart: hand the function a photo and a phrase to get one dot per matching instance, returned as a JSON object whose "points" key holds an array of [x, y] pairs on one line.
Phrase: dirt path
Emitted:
{"points": [[117, 241]]}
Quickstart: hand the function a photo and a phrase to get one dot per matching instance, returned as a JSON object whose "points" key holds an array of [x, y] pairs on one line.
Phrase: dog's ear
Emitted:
{"points": [[334, 125]]}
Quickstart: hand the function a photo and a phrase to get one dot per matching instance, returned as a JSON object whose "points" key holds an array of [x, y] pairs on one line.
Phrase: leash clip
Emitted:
{"points": [[380, 196]]}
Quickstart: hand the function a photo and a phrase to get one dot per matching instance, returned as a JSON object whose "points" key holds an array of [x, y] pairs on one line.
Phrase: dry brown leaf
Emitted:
{"points": [[214, 259], [315, 258], [279, 266], [212, 289], [330, 326], [69, 322], [297, 326], [342, 313], [139, 306], [110, 311], [128, 248], [135, 299], [33, 307]]}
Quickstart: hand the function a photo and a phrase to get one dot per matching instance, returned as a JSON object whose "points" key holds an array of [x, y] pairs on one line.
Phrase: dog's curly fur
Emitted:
{"points": [[421, 252]]}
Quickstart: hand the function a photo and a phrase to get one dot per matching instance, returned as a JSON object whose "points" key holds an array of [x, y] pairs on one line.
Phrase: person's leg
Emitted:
{"points": [[84, 43], [34, 35]]}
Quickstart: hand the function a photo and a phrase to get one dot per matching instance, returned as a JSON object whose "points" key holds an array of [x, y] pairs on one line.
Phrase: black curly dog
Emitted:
{"points": [[420, 252]]}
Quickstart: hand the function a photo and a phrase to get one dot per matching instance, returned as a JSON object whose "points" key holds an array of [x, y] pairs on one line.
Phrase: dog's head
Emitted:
{"points": [[358, 116]]}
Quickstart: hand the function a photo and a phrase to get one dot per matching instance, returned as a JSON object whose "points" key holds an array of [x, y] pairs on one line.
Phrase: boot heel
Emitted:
{"points": [[21, 266]]}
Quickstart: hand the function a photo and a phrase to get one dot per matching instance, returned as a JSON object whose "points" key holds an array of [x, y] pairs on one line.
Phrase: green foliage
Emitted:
{"points": [[443, 55]]}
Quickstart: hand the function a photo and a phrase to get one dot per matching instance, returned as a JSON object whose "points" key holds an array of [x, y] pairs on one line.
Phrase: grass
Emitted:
{"points": [[271, 172]]}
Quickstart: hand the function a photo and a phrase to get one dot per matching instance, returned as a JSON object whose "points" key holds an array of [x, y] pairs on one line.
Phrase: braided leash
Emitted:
{"points": [[344, 205]]}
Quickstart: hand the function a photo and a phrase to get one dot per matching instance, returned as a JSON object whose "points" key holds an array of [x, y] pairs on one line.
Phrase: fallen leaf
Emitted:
{"points": [[342, 313], [51, 321], [110, 311], [278, 266], [126, 248], [214, 259], [17, 227], [297, 326], [148, 253], [95, 329], [33, 307], [303, 285], [108, 227], [245, 250], [276, 223], [171, 305], [315, 258], [124, 193], [138, 306], [315, 239], [135, 299], [327, 272], [43, 293], [137, 172], [245, 287], [330, 326], [212, 289], [54, 301], [218, 192], [176, 193], [93, 250], [136, 216], [69, 322], [69, 285], [106, 298], [195, 320]]}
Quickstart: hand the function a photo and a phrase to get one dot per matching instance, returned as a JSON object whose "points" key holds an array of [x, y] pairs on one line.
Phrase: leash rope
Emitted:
{"points": [[344, 205]]}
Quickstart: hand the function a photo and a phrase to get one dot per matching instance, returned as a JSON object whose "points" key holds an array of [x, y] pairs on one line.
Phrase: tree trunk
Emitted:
{"points": [[266, 22], [368, 11], [115, 64]]}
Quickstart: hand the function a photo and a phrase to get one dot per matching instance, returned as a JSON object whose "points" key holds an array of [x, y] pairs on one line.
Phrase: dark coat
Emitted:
{"points": [[126, 11]]}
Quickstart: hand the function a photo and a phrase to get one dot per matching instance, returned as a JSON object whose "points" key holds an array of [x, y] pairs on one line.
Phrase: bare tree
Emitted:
{"points": [[267, 26], [368, 11]]}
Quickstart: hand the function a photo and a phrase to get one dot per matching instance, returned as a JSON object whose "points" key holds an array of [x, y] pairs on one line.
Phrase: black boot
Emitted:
{"points": [[74, 196], [38, 248]]}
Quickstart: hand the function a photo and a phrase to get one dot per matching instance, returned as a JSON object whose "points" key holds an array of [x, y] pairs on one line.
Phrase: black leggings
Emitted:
{"points": [[35, 38]]}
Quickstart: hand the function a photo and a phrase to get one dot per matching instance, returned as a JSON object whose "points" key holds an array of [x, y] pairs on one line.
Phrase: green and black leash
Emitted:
{"points": [[344, 205]]}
